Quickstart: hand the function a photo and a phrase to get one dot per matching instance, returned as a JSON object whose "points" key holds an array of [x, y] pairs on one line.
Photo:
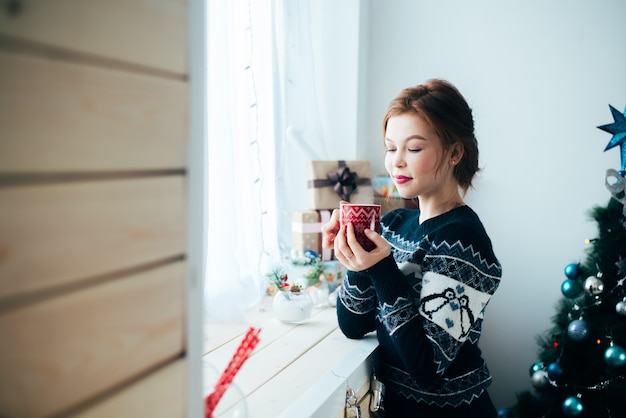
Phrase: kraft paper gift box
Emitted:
{"points": [[306, 232], [332, 181]]}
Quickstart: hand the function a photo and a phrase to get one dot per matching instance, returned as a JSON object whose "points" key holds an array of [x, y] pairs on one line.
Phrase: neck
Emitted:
{"points": [[431, 207]]}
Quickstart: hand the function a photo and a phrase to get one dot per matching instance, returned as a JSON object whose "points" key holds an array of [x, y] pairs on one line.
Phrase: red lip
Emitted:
{"points": [[402, 179]]}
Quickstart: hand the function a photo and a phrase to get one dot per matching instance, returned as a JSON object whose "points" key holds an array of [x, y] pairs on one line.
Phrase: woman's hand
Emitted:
{"points": [[352, 255], [330, 229]]}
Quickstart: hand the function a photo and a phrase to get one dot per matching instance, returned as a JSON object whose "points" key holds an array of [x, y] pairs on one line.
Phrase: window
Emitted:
{"points": [[241, 197], [273, 98]]}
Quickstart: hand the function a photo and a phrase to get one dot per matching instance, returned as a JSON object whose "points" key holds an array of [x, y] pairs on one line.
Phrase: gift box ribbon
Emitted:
{"points": [[315, 228], [343, 181], [306, 228]]}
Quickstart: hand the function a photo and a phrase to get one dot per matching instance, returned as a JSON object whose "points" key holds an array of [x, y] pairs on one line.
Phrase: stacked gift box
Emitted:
{"points": [[332, 181], [306, 232]]}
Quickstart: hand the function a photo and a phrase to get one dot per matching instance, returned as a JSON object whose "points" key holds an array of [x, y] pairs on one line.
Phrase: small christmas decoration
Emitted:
{"points": [[536, 366], [571, 288], [620, 307], [540, 379], [615, 356], [572, 271], [578, 330], [573, 407], [292, 303], [279, 280], [555, 371], [618, 129], [593, 286]]}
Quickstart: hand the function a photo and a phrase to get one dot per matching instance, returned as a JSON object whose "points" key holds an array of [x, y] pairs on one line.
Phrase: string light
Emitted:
{"points": [[254, 142], [620, 380]]}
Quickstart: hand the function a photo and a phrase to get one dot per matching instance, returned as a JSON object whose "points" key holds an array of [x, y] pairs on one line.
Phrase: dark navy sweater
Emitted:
{"points": [[426, 303]]}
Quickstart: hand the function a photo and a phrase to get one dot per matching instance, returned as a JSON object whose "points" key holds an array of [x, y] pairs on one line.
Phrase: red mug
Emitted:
{"points": [[361, 217]]}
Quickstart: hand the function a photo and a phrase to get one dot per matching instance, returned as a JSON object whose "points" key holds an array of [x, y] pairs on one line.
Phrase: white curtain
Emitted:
{"points": [[297, 114], [301, 137], [274, 91], [242, 239]]}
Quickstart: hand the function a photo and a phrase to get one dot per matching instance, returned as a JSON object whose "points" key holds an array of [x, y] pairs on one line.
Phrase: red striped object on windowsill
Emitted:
{"points": [[250, 340]]}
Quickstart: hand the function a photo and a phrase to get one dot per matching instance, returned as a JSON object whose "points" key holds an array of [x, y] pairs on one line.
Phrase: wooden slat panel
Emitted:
{"points": [[64, 350], [159, 395], [151, 33], [60, 117], [62, 233]]}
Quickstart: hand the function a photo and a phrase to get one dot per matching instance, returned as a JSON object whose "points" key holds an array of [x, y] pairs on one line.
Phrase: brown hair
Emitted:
{"points": [[444, 108]]}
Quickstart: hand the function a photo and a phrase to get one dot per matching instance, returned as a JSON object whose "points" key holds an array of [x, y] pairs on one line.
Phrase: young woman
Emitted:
{"points": [[425, 286]]}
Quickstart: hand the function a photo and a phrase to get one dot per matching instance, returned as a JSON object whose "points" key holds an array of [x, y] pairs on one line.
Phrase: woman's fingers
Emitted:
{"points": [[342, 249], [375, 237], [357, 258], [330, 230]]}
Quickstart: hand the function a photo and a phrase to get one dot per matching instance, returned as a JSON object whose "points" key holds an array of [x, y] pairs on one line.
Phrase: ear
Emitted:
{"points": [[456, 153]]}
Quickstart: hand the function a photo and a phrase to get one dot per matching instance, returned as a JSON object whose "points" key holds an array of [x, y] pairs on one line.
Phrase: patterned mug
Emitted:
{"points": [[361, 216]]}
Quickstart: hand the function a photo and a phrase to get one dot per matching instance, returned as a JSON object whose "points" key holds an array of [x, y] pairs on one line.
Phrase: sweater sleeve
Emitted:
{"points": [[399, 314], [460, 277], [356, 305]]}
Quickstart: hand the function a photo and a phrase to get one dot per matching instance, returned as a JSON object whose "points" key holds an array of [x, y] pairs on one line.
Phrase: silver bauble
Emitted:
{"points": [[593, 286], [540, 379], [620, 308]]}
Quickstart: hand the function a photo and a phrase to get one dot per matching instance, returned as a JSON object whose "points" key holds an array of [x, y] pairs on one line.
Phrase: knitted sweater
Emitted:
{"points": [[426, 303]]}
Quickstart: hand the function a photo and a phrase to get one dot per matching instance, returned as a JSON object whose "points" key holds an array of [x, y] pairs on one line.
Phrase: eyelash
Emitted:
{"points": [[411, 150]]}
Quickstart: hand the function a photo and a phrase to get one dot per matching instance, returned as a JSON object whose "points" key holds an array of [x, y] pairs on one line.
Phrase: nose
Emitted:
{"points": [[398, 159]]}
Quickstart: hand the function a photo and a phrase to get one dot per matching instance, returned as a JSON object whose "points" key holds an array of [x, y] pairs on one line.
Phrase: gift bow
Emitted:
{"points": [[344, 181], [616, 184]]}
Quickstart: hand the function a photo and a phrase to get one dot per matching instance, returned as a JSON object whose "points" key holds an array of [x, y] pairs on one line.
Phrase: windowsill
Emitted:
{"points": [[295, 370]]}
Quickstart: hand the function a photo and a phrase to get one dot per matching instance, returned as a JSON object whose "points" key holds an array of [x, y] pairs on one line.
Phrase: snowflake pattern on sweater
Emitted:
{"points": [[426, 302]]}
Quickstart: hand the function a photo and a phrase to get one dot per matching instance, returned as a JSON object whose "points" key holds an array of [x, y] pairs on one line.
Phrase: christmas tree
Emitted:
{"points": [[581, 365]]}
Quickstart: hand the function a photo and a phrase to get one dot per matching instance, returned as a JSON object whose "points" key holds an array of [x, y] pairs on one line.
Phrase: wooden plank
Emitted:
{"points": [[280, 345], [222, 338], [159, 395], [324, 374], [64, 233], [218, 333], [67, 349], [149, 33], [303, 374], [221, 333], [302, 369], [269, 354], [60, 117]]}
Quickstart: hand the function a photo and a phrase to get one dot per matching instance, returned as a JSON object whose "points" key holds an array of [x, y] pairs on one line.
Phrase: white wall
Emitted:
{"points": [[539, 76]]}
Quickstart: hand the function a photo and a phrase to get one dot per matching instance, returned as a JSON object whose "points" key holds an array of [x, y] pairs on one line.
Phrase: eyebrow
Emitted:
{"points": [[409, 138]]}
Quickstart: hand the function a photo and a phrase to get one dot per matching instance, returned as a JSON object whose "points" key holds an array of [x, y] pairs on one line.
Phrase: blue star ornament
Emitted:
{"points": [[618, 129]]}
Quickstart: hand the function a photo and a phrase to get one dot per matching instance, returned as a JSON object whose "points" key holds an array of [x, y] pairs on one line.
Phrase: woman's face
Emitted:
{"points": [[413, 155]]}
